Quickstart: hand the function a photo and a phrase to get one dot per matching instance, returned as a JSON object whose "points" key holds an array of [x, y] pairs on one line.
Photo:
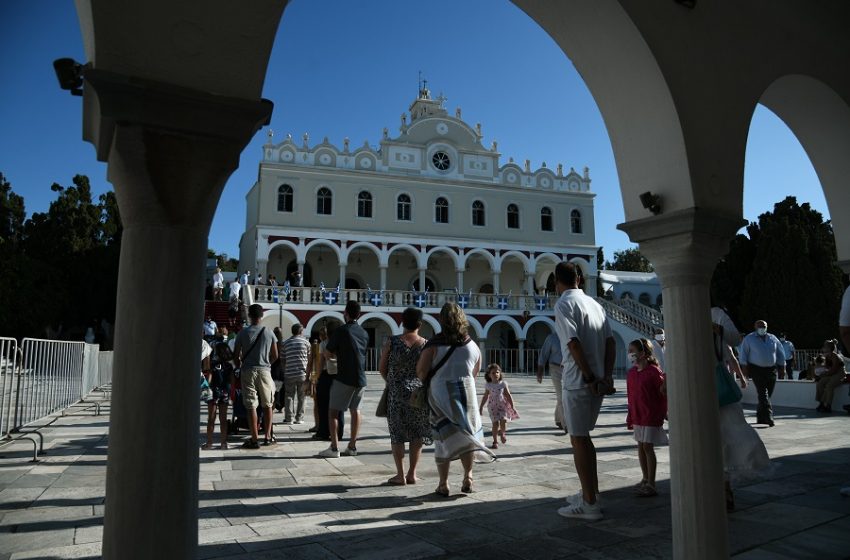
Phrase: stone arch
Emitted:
{"points": [[395, 328], [366, 244], [476, 328], [518, 331], [299, 251], [276, 317], [431, 320], [483, 252], [526, 263], [537, 319], [325, 243], [621, 74], [444, 249], [820, 119], [409, 248], [323, 315]]}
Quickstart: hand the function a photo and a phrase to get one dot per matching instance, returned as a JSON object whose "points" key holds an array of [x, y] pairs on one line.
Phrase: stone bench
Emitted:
{"points": [[797, 394]]}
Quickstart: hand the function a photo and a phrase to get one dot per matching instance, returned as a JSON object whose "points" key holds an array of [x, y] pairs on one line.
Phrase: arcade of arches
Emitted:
{"points": [[676, 83]]}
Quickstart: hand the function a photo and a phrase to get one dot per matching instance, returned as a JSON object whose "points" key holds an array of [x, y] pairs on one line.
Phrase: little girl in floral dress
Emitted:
{"points": [[500, 403]]}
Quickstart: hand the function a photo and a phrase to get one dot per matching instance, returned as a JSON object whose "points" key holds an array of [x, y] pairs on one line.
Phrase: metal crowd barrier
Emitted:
{"points": [[42, 377]]}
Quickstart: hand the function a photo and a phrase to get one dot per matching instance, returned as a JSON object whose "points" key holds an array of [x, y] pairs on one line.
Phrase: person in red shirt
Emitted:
{"points": [[647, 400]]}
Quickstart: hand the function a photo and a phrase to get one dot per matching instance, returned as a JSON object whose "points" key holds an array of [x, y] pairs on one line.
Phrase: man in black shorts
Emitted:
{"points": [[348, 345]]}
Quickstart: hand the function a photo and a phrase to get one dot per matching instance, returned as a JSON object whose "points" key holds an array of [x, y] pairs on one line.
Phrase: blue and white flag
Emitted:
{"points": [[286, 288], [541, 303], [421, 299], [274, 294], [464, 300], [375, 297]]}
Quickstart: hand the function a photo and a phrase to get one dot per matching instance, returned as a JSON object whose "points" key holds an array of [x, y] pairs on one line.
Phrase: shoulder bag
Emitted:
{"points": [[728, 391], [419, 398]]}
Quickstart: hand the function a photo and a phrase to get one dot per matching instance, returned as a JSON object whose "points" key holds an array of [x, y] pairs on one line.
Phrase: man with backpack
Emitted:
{"points": [[254, 352]]}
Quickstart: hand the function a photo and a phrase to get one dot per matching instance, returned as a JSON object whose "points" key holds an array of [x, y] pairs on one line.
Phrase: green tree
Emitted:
{"points": [[784, 272], [12, 214], [631, 260]]}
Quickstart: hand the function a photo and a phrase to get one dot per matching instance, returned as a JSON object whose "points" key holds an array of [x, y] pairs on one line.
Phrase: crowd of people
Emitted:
{"points": [[430, 394]]}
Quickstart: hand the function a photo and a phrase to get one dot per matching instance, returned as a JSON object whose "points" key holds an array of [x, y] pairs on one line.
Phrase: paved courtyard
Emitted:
{"points": [[282, 502]]}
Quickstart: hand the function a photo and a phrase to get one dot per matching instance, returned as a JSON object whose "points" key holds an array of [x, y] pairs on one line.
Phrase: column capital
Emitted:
{"points": [[111, 99], [684, 246]]}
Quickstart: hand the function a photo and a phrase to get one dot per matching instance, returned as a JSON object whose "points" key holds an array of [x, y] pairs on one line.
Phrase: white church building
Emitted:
{"points": [[427, 216]]}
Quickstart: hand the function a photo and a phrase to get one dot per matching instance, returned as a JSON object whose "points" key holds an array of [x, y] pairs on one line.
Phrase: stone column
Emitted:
{"points": [[684, 246], [529, 283], [169, 152], [590, 285], [263, 268], [342, 277], [521, 355], [422, 279], [383, 277], [459, 272], [497, 277]]}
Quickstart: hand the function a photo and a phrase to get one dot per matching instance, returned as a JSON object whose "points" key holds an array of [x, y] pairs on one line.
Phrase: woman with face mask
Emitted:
{"points": [[647, 400]]}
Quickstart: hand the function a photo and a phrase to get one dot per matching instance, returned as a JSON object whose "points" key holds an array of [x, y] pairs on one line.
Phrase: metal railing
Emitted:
{"points": [[42, 377], [404, 298]]}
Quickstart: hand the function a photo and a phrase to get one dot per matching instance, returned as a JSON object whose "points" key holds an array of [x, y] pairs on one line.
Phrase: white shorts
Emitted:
{"points": [[581, 410]]}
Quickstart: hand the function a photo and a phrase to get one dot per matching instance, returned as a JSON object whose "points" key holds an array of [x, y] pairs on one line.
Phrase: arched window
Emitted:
{"points": [[364, 205], [324, 201], [546, 219], [478, 213], [441, 211], [403, 208], [513, 216], [284, 198], [575, 221], [645, 299]]}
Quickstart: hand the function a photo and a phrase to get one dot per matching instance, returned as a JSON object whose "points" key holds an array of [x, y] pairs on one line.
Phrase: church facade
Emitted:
{"points": [[427, 216]]}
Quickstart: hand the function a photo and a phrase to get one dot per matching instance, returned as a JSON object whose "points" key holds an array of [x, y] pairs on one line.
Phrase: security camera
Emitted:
{"points": [[69, 72]]}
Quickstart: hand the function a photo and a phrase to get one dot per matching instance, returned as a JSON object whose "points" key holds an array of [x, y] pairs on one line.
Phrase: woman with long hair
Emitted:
{"points": [[448, 366]]}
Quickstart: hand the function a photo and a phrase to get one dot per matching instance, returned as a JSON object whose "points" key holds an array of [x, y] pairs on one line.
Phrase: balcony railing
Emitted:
{"points": [[403, 298]]}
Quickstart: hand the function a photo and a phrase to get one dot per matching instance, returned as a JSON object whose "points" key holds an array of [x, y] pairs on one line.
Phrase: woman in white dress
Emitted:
{"points": [[744, 454]]}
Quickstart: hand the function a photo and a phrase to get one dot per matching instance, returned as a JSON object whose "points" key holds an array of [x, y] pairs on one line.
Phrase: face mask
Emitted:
{"points": [[761, 331], [632, 357], [659, 337]]}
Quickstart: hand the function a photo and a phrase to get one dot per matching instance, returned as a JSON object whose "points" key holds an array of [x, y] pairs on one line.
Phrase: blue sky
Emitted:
{"points": [[342, 68]]}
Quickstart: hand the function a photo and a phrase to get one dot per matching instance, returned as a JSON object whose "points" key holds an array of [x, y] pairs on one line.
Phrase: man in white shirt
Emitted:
{"points": [[235, 287], [588, 351], [210, 327], [550, 354], [218, 284], [761, 357], [788, 350]]}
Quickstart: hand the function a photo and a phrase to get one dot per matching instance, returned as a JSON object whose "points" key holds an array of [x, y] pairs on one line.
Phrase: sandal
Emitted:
{"points": [[504, 439], [647, 491], [442, 491], [250, 444], [270, 441], [224, 445], [206, 446], [396, 481], [467, 485], [494, 446]]}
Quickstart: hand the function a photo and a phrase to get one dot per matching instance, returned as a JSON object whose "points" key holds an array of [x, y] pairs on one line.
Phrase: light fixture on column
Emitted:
{"points": [[651, 202], [69, 72]]}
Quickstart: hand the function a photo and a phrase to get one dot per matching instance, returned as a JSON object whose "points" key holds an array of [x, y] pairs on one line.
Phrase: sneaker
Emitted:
{"points": [[298, 422], [329, 453], [591, 512], [578, 499], [349, 452]]}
